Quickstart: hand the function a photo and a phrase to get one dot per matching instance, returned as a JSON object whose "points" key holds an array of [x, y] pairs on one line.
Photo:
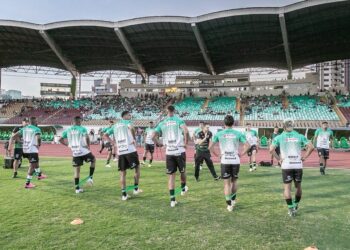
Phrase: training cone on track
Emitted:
{"points": [[77, 221], [311, 248]]}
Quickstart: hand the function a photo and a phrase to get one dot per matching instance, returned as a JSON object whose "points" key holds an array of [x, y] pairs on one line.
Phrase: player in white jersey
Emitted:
{"points": [[175, 137], [79, 142], [124, 139], [291, 143], [149, 144], [323, 138], [253, 140], [229, 141], [30, 135]]}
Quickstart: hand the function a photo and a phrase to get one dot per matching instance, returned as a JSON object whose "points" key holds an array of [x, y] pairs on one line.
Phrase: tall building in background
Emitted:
{"points": [[332, 74], [347, 74], [14, 94], [54, 90]]}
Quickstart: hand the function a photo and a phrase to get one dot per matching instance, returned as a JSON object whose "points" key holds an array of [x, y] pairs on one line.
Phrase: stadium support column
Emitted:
{"points": [[203, 49], [73, 87], [0, 79], [286, 44], [127, 46]]}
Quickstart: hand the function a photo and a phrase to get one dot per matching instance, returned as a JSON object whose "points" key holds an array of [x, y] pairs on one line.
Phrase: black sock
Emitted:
{"points": [[254, 163], [297, 199], [321, 165], [144, 158], [250, 165], [234, 195], [107, 162], [136, 186], [76, 181], [150, 161], [289, 203], [15, 173], [113, 155], [123, 192], [183, 185], [92, 170], [172, 194], [228, 200]]}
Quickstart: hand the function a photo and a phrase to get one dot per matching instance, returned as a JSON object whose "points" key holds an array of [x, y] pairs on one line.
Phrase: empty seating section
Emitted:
{"points": [[191, 108], [346, 112], [301, 108], [219, 107]]}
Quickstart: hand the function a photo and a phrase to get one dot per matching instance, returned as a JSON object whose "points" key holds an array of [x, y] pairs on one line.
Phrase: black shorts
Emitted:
{"points": [[175, 162], [149, 147], [278, 151], [32, 157], [229, 170], [323, 152], [289, 175], [79, 160], [108, 145], [251, 149], [18, 153], [128, 161]]}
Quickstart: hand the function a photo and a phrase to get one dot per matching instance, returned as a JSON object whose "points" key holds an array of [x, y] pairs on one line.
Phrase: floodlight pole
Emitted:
{"points": [[203, 48], [127, 46], [286, 44]]}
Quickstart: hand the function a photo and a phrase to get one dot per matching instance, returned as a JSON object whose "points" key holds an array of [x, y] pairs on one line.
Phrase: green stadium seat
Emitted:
{"points": [[263, 141]]}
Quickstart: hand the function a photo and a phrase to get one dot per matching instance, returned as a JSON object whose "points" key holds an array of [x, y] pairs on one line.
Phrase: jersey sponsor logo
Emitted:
{"points": [[229, 136], [291, 140]]}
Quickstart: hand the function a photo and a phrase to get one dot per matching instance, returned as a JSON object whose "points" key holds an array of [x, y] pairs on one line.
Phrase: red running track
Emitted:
{"points": [[337, 159]]}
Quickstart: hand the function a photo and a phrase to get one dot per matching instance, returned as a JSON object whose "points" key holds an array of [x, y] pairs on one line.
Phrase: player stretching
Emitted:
{"points": [[149, 144], [18, 152], [194, 138], [202, 152], [175, 138], [79, 143], [229, 140], [31, 142], [291, 144], [108, 145], [124, 140], [273, 136], [323, 138], [252, 138]]}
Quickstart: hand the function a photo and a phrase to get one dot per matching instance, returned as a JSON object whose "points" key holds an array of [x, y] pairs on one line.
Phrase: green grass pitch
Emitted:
{"points": [[40, 218]]}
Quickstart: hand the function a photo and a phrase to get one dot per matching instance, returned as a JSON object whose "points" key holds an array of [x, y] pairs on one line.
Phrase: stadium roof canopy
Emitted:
{"points": [[280, 37]]}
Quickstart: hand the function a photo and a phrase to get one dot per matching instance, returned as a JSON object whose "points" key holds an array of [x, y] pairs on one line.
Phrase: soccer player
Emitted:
{"points": [[273, 136], [204, 137], [229, 140], [323, 138], [194, 138], [175, 137], [79, 143], [108, 145], [124, 139], [18, 152], [149, 144], [252, 138], [30, 135], [291, 144]]}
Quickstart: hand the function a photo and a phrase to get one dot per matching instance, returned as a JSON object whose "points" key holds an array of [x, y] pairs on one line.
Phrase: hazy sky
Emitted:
{"points": [[44, 11]]}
